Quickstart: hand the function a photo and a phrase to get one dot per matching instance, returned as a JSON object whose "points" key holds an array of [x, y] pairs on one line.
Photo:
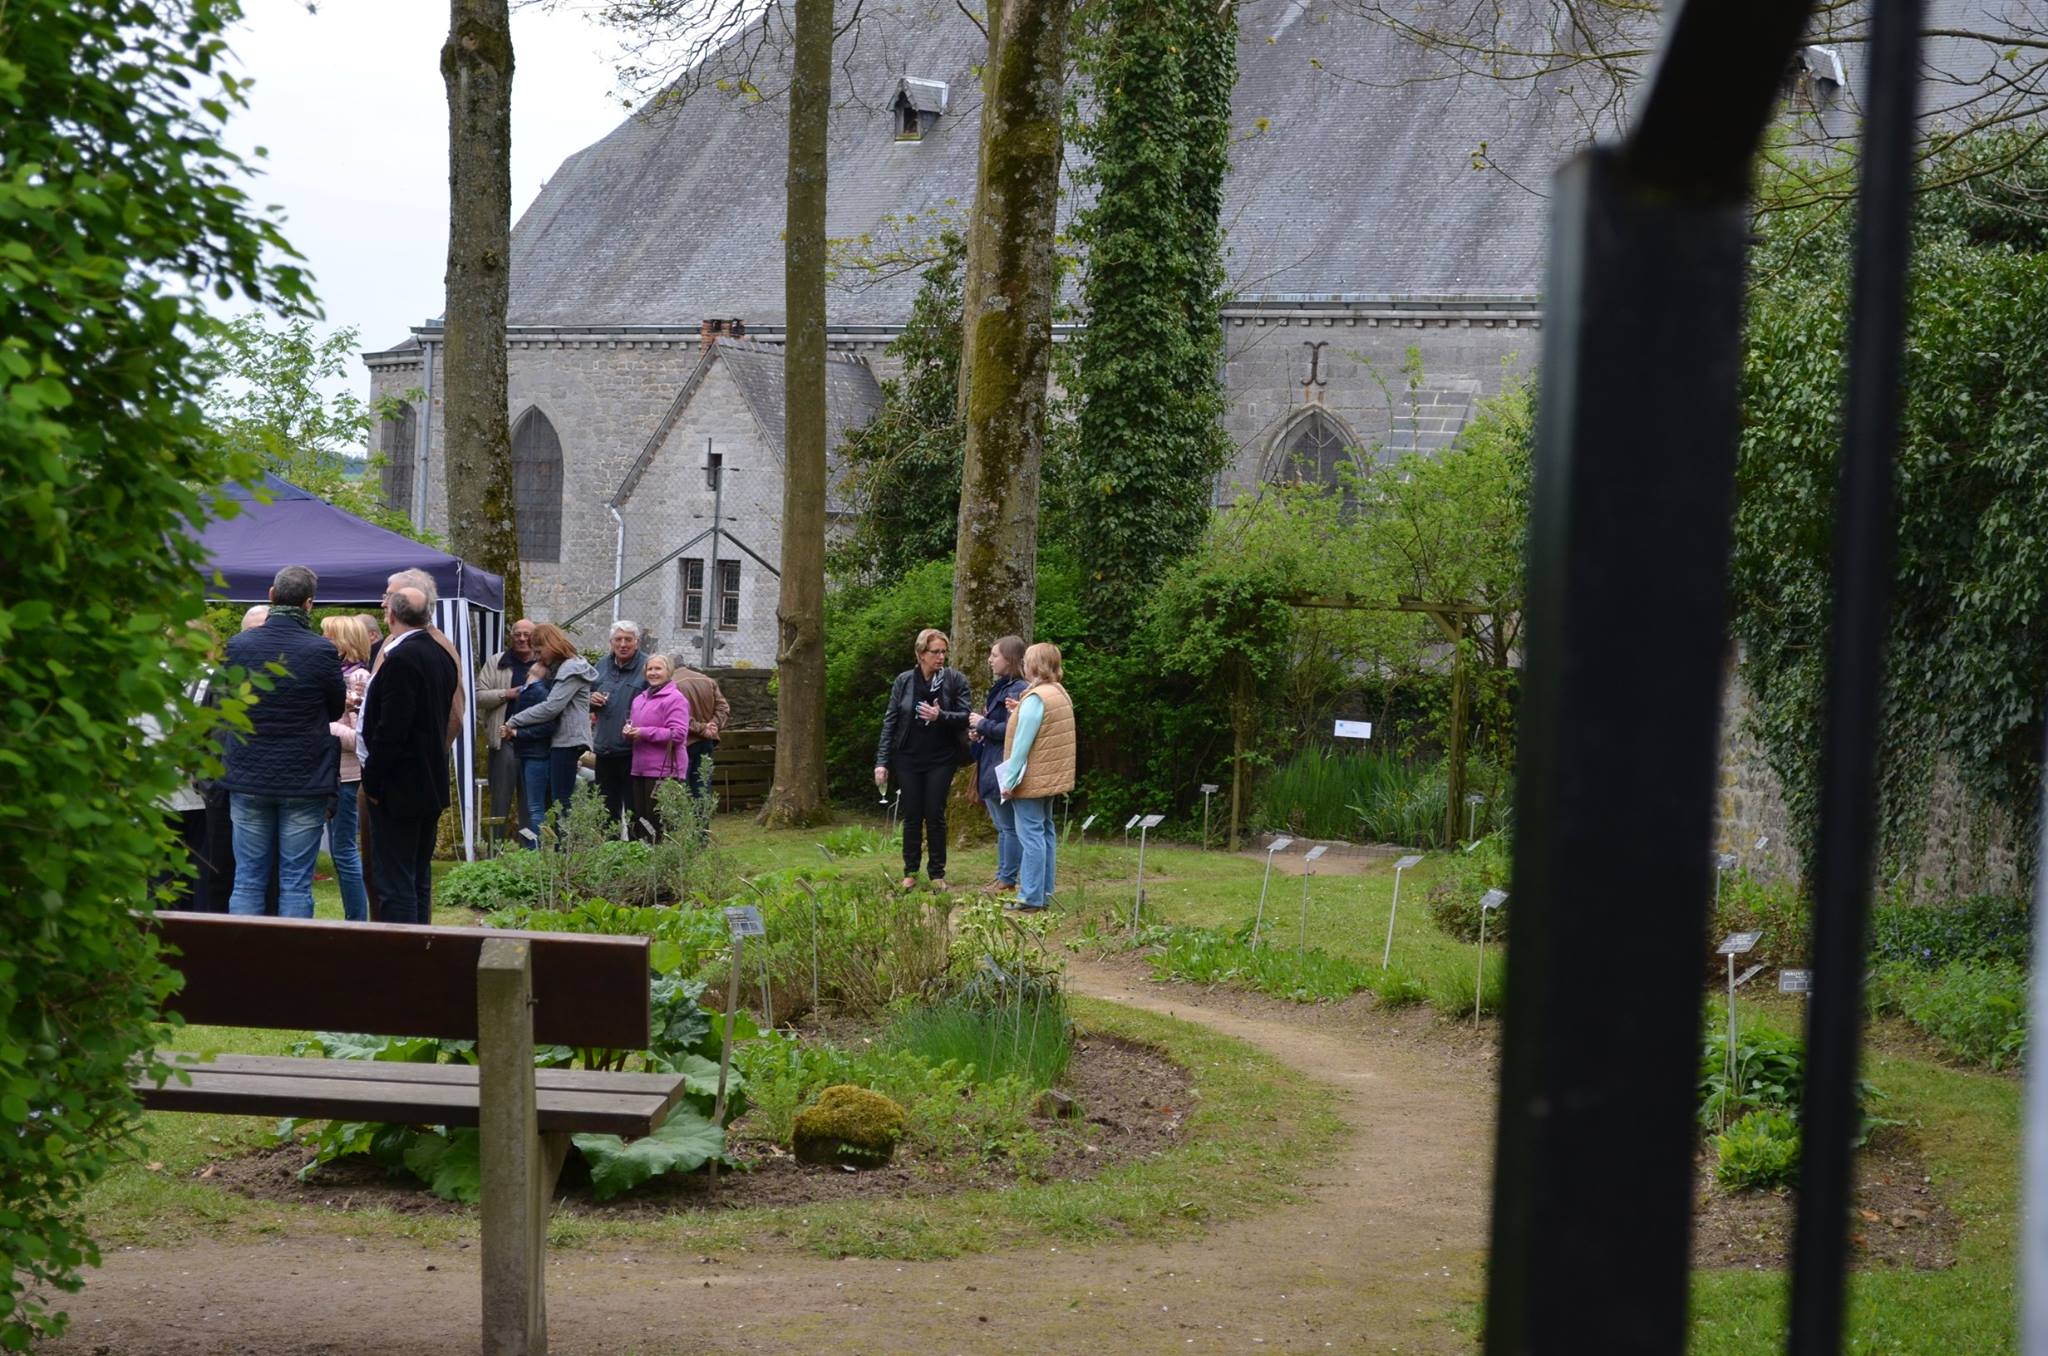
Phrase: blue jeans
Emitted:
{"points": [[533, 793], [344, 847], [1040, 841], [281, 829], [1009, 852]]}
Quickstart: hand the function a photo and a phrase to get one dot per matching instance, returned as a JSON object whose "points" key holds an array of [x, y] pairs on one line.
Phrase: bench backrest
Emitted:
{"points": [[389, 979]]}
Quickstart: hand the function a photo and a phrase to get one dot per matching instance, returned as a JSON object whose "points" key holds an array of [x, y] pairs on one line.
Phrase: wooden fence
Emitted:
{"points": [[743, 769]]}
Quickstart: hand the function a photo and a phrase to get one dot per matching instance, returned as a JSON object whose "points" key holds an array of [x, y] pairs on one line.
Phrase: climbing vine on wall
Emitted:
{"points": [[1154, 119], [1968, 649]]}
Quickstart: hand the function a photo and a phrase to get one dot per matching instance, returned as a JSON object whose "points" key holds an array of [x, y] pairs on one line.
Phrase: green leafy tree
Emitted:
{"points": [[118, 209], [1966, 661], [267, 402]]}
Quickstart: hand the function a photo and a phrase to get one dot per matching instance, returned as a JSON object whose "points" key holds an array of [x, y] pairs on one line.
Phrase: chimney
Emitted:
{"points": [[736, 328], [710, 331]]}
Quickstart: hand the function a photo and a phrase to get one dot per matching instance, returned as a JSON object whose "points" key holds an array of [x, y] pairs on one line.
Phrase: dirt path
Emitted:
{"points": [[1384, 1249]]}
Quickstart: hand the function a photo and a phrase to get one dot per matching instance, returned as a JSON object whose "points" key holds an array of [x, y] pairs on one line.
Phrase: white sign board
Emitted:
{"points": [[1747, 975], [1278, 845], [1795, 981], [1412, 860], [1354, 729], [1210, 788], [1725, 861], [1474, 798], [745, 921], [1151, 821], [1318, 850], [1132, 822], [1738, 943], [1763, 842], [1492, 899], [1086, 822]]}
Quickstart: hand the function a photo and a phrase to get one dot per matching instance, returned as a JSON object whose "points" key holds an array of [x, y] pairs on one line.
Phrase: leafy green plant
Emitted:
{"points": [[123, 209], [1974, 1012], [1770, 1073], [1759, 1151], [1379, 796], [584, 857], [1462, 881], [1984, 929], [1775, 908]]}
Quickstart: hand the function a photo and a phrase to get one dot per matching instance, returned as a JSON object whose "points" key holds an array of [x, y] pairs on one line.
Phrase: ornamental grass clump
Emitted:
{"points": [[850, 1126]]}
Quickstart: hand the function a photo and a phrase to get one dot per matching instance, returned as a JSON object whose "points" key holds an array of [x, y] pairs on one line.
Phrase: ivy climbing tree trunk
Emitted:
{"points": [[1150, 359], [798, 796], [476, 66], [1006, 328]]}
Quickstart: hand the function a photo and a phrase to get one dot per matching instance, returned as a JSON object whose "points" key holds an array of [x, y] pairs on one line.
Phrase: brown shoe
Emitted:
{"points": [[907, 883]]}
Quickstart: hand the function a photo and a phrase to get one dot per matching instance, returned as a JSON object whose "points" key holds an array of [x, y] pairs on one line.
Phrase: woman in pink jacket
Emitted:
{"points": [[659, 728]]}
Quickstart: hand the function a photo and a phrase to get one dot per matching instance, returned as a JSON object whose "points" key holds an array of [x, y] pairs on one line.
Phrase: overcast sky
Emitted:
{"points": [[349, 103]]}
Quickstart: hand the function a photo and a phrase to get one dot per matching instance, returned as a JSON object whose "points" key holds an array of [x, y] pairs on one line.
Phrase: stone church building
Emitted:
{"points": [[1379, 282]]}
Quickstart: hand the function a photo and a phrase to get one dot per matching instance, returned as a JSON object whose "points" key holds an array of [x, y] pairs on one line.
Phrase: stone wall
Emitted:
{"points": [[1967, 846]]}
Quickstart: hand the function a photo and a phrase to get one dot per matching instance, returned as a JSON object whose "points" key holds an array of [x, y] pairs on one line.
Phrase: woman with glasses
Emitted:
{"points": [[924, 738]]}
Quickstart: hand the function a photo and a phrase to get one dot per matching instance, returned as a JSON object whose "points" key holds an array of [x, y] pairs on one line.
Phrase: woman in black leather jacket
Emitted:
{"points": [[924, 736]]}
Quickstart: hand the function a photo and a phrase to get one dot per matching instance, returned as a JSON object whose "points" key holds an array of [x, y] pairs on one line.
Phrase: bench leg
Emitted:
{"points": [[520, 1164]]}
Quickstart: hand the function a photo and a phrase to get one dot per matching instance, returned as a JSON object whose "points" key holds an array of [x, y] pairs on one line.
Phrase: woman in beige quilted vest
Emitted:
{"points": [[1038, 764]]}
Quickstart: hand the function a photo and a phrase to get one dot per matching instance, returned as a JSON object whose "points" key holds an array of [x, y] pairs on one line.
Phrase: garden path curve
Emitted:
{"points": [[1381, 1255]]}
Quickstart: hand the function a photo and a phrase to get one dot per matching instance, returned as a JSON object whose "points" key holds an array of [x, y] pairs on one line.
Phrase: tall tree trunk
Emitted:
{"points": [[1006, 328], [799, 793], [476, 66]]}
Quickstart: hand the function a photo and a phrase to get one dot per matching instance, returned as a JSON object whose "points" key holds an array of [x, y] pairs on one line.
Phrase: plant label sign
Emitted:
{"points": [[646, 827], [1747, 975], [1318, 850], [1763, 841], [745, 921], [1210, 788], [1132, 822], [1795, 981], [1492, 899], [1738, 943], [1725, 861], [1151, 821], [1412, 860], [1354, 729], [1278, 845], [1086, 822], [1474, 798]]}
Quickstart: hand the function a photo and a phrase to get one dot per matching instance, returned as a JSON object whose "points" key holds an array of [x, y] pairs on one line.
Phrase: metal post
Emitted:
{"points": [[1387, 953], [1259, 920], [1138, 900], [1731, 1025], [717, 474], [1479, 981], [1301, 945]]}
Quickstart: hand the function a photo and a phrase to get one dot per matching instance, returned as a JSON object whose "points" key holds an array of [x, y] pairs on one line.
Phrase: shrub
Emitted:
{"points": [[1770, 1072], [1030, 1040], [1462, 881], [1974, 1012], [584, 857], [1982, 929], [1761, 1150], [868, 635], [848, 1125]]}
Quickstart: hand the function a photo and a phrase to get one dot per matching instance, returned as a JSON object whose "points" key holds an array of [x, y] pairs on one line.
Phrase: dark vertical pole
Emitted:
{"points": [[1630, 520], [1844, 845]]}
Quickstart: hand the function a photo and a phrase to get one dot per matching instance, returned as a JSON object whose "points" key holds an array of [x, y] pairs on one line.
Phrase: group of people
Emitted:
{"points": [[1021, 742], [350, 734], [644, 719]]}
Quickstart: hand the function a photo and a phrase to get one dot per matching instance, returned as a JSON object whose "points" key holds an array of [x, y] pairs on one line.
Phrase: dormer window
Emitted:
{"points": [[917, 106]]}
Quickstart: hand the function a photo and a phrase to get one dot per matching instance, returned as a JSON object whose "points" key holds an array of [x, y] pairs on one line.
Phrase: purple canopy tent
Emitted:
{"points": [[354, 559]]}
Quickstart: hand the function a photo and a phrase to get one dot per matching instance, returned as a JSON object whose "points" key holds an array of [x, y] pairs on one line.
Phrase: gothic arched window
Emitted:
{"points": [[537, 486], [398, 444], [1312, 450]]}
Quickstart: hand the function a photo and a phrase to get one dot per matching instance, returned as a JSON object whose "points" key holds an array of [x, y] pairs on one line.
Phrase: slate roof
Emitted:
{"points": [[1351, 173], [852, 397]]}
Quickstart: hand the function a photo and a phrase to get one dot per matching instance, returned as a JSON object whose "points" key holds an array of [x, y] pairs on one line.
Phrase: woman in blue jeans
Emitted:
{"points": [[1038, 764], [566, 707], [351, 640], [531, 747], [985, 732]]}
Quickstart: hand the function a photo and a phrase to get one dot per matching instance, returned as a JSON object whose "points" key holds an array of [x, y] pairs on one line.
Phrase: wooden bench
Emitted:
{"points": [[504, 990]]}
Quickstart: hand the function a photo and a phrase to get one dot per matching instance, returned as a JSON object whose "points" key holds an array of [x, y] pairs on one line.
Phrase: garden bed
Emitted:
{"points": [[1130, 1102], [1898, 1220]]}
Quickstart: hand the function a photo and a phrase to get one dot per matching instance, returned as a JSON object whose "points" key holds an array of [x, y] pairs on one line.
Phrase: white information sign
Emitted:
{"points": [[1408, 862], [1492, 899], [1132, 822], [1354, 729], [1795, 981], [1318, 850], [1747, 975], [1725, 861], [745, 921], [1210, 788], [1279, 845], [1738, 943], [1086, 822], [1763, 842], [1151, 821]]}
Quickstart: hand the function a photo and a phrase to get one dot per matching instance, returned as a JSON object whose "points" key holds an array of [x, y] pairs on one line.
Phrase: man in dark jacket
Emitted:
{"points": [[621, 676], [281, 776], [404, 752]]}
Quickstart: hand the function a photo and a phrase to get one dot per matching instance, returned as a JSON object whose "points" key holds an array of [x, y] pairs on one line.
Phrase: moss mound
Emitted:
{"points": [[848, 1125]]}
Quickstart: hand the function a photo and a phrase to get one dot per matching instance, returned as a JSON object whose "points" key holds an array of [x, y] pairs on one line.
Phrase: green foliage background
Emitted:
{"points": [[117, 211]]}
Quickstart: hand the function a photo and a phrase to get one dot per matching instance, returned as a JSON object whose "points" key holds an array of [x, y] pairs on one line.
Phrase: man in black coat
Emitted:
{"points": [[282, 775], [404, 753]]}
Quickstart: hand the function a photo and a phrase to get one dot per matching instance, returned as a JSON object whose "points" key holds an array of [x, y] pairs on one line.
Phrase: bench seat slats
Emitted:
{"points": [[628, 1105]]}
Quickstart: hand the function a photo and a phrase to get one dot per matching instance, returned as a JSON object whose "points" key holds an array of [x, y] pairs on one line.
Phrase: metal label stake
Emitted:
{"points": [[1208, 789], [1488, 902], [1406, 863], [1733, 945], [1472, 803], [1130, 824], [1301, 947], [1277, 845], [1146, 823]]}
